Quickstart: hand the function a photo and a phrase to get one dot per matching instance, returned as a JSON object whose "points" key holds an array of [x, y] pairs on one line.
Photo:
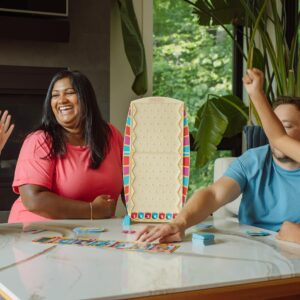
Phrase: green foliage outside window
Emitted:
{"points": [[189, 62]]}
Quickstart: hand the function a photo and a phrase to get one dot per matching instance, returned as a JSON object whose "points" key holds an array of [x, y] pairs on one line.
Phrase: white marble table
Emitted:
{"points": [[37, 271]]}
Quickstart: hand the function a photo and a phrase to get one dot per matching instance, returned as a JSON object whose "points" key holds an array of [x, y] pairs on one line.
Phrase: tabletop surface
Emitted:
{"points": [[41, 271]]}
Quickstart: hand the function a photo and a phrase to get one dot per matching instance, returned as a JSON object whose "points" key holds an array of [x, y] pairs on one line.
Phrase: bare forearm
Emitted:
{"points": [[197, 209], [274, 128], [51, 205], [271, 124]]}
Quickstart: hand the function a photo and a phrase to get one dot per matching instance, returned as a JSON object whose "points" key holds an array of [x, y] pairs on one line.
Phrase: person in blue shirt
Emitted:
{"points": [[282, 136], [267, 177], [5, 129]]}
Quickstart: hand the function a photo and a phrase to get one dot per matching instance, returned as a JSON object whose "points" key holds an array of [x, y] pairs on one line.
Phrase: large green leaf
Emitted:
{"points": [[235, 111], [134, 46], [211, 124]]}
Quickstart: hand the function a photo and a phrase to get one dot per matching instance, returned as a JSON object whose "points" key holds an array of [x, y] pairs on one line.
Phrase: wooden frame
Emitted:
{"points": [[273, 289]]}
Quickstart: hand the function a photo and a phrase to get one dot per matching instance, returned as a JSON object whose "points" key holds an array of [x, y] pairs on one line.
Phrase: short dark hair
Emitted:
{"points": [[96, 131], [286, 100]]}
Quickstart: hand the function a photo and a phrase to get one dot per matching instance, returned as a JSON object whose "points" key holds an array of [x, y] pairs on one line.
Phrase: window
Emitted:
{"points": [[190, 61]]}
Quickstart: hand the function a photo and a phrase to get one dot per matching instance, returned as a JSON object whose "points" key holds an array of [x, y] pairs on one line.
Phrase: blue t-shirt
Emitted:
{"points": [[271, 194]]}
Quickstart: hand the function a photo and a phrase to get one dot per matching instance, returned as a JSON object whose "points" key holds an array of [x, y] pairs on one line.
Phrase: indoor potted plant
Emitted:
{"points": [[225, 116]]}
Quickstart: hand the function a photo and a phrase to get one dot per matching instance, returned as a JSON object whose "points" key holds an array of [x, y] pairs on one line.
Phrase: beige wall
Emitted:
{"points": [[121, 76], [88, 51]]}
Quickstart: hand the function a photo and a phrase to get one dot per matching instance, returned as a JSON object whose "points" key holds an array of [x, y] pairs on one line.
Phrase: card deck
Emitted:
{"points": [[203, 236], [203, 242], [203, 239]]}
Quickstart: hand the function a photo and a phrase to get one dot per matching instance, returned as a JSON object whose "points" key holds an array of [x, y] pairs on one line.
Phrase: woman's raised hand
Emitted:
{"points": [[5, 128]]}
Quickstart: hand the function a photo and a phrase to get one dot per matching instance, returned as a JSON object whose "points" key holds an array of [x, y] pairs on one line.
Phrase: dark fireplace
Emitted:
{"points": [[22, 93]]}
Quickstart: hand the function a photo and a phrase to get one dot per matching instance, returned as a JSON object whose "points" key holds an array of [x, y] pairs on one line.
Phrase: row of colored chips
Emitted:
{"points": [[154, 215]]}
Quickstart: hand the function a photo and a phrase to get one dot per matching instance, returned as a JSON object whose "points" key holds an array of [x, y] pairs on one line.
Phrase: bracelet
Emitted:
{"points": [[91, 206]]}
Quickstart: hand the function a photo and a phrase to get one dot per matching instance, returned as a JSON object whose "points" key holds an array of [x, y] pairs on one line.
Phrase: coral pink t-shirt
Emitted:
{"points": [[69, 176]]}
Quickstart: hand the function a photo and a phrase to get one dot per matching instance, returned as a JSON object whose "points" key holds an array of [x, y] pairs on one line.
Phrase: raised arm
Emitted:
{"points": [[253, 82], [199, 207]]}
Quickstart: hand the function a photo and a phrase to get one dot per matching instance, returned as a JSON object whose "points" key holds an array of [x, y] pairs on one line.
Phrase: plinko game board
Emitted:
{"points": [[156, 159]]}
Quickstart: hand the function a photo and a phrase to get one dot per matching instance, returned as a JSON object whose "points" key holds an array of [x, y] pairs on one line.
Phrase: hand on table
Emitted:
{"points": [[163, 233], [5, 129], [103, 207], [289, 232]]}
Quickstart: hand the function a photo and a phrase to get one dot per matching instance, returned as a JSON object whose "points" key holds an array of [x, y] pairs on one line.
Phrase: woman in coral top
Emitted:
{"points": [[71, 167]]}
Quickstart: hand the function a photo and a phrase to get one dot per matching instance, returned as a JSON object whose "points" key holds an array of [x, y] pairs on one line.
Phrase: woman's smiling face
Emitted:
{"points": [[64, 104]]}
